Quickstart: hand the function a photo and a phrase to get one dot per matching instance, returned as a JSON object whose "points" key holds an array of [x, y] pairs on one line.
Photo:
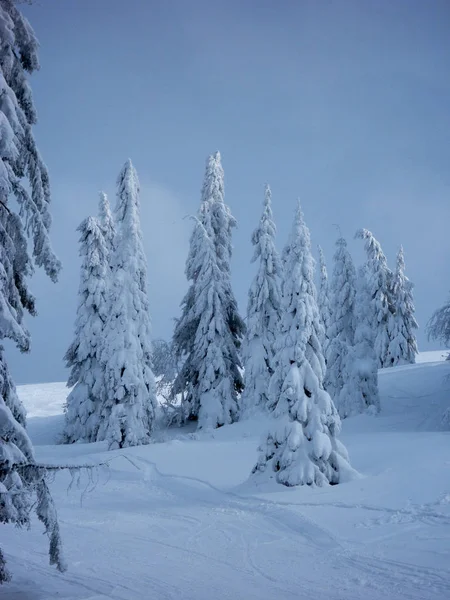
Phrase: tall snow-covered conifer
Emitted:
{"points": [[263, 313], [23, 178], [402, 348], [84, 402], [342, 327], [213, 391], [216, 222], [222, 223], [301, 446], [128, 411], [324, 300], [360, 388], [187, 325], [379, 284]]}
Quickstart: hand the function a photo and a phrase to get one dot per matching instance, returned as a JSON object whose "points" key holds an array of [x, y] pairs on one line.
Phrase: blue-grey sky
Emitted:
{"points": [[344, 104]]}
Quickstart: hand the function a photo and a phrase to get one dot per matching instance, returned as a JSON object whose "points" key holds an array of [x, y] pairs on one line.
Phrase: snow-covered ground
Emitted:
{"points": [[432, 356], [178, 519]]}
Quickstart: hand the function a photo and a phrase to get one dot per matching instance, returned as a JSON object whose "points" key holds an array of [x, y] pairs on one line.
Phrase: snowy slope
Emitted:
{"points": [[179, 520], [432, 356]]}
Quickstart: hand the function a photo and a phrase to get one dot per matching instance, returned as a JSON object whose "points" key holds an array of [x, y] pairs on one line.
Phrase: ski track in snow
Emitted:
{"points": [[391, 574], [246, 526], [158, 525]]}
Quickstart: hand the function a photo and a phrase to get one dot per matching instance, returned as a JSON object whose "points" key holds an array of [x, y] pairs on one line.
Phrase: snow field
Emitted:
{"points": [[179, 518]]}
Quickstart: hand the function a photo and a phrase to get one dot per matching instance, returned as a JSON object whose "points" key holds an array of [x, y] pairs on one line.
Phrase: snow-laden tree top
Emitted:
{"points": [[222, 221], [375, 256], [264, 294], [106, 220], [299, 293]]}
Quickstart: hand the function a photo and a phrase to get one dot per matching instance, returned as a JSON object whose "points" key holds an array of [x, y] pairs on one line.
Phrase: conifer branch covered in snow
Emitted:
{"points": [[301, 446], [402, 324], [163, 361], [19, 154], [22, 481], [23, 179], [263, 313], [37, 476], [5, 575]]}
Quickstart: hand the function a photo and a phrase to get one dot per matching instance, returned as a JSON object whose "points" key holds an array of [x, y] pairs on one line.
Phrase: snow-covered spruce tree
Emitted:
{"points": [[324, 300], [379, 280], [84, 402], [214, 353], [106, 221], [438, 326], [24, 178], [301, 446], [402, 324], [360, 389], [222, 223], [128, 411], [263, 313], [217, 221], [342, 327], [186, 326]]}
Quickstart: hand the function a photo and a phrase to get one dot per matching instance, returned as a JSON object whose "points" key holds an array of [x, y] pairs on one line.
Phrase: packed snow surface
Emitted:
{"points": [[179, 519]]}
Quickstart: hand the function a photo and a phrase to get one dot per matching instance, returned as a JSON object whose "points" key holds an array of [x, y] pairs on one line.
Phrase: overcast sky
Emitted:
{"points": [[344, 104]]}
